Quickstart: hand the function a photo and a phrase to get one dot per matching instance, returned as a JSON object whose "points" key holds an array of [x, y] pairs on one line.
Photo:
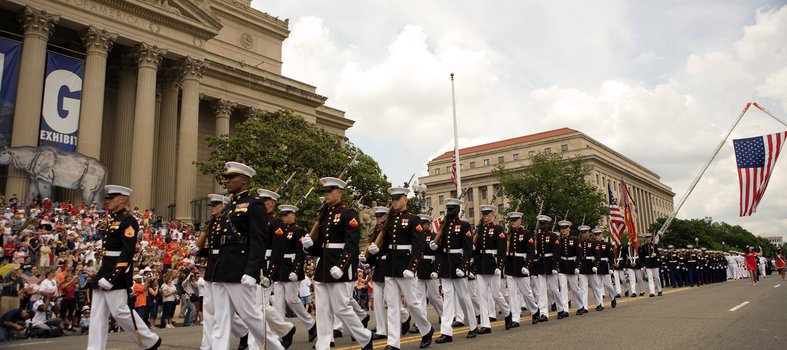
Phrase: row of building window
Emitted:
{"points": [[501, 159]]}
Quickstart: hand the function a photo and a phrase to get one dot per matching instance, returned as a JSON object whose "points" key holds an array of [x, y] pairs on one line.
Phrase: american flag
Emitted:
{"points": [[756, 157], [631, 215], [616, 223], [453, 171], [437, 223]]}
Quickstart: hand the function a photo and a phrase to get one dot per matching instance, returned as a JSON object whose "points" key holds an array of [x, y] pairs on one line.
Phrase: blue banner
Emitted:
{"points": [[10, 52], [61, 102]]}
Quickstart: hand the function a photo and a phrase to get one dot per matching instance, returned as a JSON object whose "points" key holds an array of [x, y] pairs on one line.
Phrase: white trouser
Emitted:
{"points": [[730, 271], [519, 287], [489, 286], [287, 293], [632, 281], [600, 283], [337, 323], [333, 299], [762, 270], [115, 303], [653, 277], [620, 281], [583, 290], [455, 295], [430, 289], [236, 297], [208, 327], [380, 315], [472, 287], [550, 283], [640, 280], [397, 288], [273, 318], [569, 282]]}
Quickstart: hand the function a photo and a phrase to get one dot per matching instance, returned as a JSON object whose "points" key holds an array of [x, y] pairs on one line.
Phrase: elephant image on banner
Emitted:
{"points": [[47, 166]]}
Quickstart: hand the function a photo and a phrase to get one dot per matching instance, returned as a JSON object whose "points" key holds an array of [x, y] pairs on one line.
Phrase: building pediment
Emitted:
{"points": [[193, 16]]}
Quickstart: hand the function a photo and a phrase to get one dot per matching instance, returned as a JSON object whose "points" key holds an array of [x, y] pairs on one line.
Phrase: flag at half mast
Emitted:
{"points": [[755, 158]]}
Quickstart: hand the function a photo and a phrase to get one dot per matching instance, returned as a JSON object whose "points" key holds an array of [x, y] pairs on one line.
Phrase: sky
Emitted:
{"points": [[660, 82]]}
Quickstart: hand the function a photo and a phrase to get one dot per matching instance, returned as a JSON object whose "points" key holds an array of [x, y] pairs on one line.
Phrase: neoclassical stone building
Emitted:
{"points": [[159, 76]]}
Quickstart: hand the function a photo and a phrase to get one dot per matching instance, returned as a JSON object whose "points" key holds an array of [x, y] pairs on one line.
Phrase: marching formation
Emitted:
{"points": [[256, 259]]}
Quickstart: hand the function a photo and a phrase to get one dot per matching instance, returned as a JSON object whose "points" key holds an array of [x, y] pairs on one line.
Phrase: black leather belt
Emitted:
{"points": [[234, 240]]}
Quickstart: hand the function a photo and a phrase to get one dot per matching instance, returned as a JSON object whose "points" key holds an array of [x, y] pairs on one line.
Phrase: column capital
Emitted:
{"points": [[148, 55], [192, 68], [224, 108], [253, 112], [98, 41], [38, 22]]}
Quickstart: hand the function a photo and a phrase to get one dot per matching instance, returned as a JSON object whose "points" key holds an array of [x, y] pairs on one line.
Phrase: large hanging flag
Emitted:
{"points": [[630, 215], [756, 157], [616, 223], [453, 171]]}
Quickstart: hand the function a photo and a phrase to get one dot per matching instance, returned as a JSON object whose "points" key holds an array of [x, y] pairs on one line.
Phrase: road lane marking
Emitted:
{"points": [[739, 306], [33, 343], [777, 286]]}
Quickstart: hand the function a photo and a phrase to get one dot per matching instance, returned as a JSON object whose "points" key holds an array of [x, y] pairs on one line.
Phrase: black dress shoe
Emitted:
{"points": [[313, 333], [514, 325], [333, 344], [337, 333], [627, 293], [543, 318], [155, 346], [376, 336], [617, 295], [365, 321], [414, 329], [369, 346], [484, 330], [565, 314], [286, 341], [642, 294], [659, 294], [426, 340], [560, 315], [614, 303], [244, 340], [652, 295], [492, 319], [406, 325], [389, 347], [579, 312], [535, 318], [444, 339], [634, 295], [457, 324], [472, 334], [599, 308], [508, 321], [554, 307]]}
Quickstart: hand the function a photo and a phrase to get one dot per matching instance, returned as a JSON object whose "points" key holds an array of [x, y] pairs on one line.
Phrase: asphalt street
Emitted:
{"points": [[730, 315]]}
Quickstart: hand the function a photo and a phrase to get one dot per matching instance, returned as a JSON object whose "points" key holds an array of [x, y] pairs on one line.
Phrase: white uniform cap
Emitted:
{"points": [[287, 208], [597, 231], [121, 190], [453, 201], [487, 207], [648, 234], [690, 246], [381, 210], [425, 217], [394, 191], [584, 228], [235, 168], [544, 218], [564, 223], [263, 193], [332, 182], [218, 198], [514, 215]]}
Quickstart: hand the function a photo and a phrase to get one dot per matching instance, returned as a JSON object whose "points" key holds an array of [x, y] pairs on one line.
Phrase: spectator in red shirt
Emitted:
{"points": [[69, 301], [166, 260]]}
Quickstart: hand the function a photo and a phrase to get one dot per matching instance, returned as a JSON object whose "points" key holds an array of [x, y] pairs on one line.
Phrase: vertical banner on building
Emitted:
{"points": [[61, 103], [9, 74]]}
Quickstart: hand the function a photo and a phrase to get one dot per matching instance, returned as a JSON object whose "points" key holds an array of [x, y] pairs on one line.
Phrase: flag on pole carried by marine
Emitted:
{"points": [[755, 158], [616, 222], [630, 214]]}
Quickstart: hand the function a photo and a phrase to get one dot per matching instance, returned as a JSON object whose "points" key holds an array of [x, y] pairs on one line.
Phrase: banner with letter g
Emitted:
{"points": [[61, 102]]}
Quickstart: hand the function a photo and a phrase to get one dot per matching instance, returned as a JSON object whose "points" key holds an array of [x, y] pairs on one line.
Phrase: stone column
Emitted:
{"points": [[167, 140], [148, 59], [120, 164], [223, 111], [188, 138], [97, 44], [37, 26]]}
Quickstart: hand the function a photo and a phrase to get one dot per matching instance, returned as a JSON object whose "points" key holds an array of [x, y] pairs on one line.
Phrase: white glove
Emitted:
{"points": [[104, 284], [595, 269], [470, 275], [373, 249], [193, 248], [336, 272], [266, 282], [498, 272], [576, 271], [525, 271], [653, 255], [433, 246], [247, 280], [293, 276], [460, 273], [408, 274], [554, 272], [307, 242], [433, 275]]}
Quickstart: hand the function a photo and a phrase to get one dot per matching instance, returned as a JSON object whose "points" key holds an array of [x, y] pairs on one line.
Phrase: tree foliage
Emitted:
{"points": [[560, 184], [276, 144], [711, 235]]}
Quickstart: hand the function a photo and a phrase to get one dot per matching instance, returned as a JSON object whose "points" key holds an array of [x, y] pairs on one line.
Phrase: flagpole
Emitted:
{"points": [[456, 141], [666, 224], [769, 113]]}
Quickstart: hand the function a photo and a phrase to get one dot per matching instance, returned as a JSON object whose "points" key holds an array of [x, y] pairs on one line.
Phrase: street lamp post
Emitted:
{"points": [[420, 196]]}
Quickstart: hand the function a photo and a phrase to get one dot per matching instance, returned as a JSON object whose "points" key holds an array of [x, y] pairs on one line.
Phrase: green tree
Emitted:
{"points": [[276, 144], [711, 235], [560, 184]]}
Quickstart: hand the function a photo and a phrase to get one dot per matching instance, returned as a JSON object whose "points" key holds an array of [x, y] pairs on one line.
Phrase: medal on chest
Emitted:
{"points": [[336, 218]]}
